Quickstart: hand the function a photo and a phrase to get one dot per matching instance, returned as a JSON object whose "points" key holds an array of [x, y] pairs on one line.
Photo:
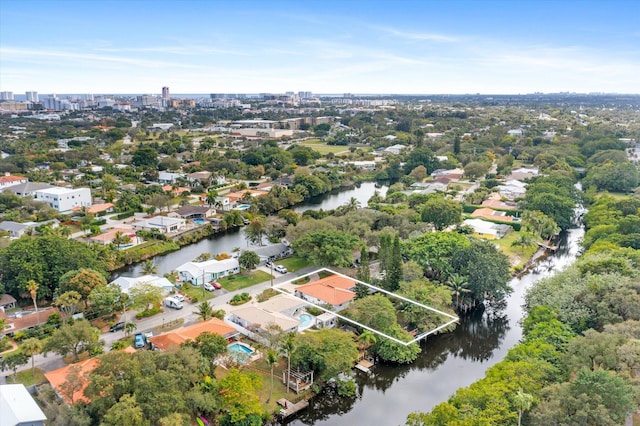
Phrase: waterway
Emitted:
{"points": [[231, 240], [448, 362]]}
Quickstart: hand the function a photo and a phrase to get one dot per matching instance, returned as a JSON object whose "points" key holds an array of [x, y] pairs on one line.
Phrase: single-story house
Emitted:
{"points": [[28, 319], [335, 290], [7, 301], [180, 335], [198, 272], [499, 204], [254, 318], [429, 187], [15, 229], [512, 189], [523, 173], [168, 177], [97, 208], [126, 283], [488, 213], [29, 188], [203, 177], [273, 251], [58, 377], [395, 149], [110, 234], [488, 230], [176, 191], [194, 212], [163, 224], [18, 408]]}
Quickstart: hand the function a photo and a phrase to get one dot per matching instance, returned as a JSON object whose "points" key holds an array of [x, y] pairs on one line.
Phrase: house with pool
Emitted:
{"points": [[198, 273], [177, 337]]}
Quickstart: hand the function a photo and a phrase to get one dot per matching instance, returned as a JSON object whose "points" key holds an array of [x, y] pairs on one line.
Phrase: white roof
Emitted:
{"points": [[215, 266], [255, 315], [18, 407], [126, 283], [59, 190], [484, 227]]}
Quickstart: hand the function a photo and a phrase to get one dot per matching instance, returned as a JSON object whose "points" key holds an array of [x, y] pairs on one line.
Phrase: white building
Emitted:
{"points": [[65, 199], [8, 180], [488, 230], [163, 224], [126, 283], [32, 97], [198, 272], [17, 407]]}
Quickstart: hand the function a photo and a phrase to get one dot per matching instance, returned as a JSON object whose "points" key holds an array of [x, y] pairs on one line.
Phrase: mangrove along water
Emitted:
{"points": [[447, 363], [228, 241]]}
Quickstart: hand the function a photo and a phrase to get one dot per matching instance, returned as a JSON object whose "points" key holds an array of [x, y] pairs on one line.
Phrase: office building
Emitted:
{"points": [[32, 97], [165, 93], [6, 96]]}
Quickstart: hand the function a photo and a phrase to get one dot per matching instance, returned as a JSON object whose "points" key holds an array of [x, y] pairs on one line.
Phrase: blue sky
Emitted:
{"points": [[402, 46]]}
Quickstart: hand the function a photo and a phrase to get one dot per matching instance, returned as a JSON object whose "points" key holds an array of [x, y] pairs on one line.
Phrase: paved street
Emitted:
{"points": [[53, 361]]}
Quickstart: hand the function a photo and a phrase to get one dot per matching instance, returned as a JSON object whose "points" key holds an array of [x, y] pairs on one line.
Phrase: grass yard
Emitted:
{"points": [[322, 147], [518, 255], [196, 293], [27, 378], [294, 263], [243, 280]]}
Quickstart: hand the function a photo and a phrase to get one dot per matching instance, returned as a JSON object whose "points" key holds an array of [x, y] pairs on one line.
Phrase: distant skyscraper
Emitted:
{"points": [[6, 96], [32, 97], [165, 93], [90, 97]]}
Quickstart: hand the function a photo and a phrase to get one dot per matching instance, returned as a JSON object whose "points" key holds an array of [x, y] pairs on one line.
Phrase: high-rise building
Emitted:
{"points": [[6, 96], [165, 93], [32, 97]]}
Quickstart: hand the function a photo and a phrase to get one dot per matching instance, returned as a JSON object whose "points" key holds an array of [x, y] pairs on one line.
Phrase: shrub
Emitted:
{"points": [[125, 215], [148, 312], [118, 345]]}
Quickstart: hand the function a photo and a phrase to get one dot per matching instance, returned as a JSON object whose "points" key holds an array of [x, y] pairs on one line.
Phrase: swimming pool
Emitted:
{"points": [[240, 351], [306, 320], [198, 221], [242, 207]]}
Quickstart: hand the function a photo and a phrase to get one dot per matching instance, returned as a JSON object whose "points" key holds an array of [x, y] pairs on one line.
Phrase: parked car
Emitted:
{"points": [[172, 302], [178, 297], [117, 326], [213, 285], [280, 269], [268, 264], [139, 341]]}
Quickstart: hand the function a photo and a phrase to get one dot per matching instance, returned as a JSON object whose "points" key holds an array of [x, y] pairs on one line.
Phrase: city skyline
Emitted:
{"points": [[405, 47]]}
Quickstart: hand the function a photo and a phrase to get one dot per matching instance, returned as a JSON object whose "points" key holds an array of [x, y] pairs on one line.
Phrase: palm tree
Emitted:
{"points": [[32, 347], [211, 197], [32, 288], [352, 205], [366, 340], [205, 311], [523, 403], [149, 267], [272, 360], [129, 327], [458, 286], [121, 239], [288, 347]]}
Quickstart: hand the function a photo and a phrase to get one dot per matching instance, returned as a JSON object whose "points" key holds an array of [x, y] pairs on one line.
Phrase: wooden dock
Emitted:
{"points": [[547, 246], [289, 408], [364, 366]]}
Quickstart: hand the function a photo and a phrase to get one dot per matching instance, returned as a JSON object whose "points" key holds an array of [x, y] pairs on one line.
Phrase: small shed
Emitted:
{"points": [[7, 301]]}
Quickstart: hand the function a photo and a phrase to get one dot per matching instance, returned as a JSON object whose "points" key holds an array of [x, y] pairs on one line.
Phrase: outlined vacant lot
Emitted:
{"points": [[339, 294]]}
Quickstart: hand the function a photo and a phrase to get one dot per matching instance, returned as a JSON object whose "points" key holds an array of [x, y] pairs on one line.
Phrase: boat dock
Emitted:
{"points": [[364, 365], [289, 408]]}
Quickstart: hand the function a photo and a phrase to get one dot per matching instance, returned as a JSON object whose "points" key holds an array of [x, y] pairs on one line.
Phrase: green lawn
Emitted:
{"points": [[243, 280], [323, 148], [294, 263], [518, 255], [26, 378], [197, 293]]}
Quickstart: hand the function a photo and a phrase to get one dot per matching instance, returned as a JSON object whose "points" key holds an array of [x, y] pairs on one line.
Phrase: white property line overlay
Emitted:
{"points": [[349, 320]]}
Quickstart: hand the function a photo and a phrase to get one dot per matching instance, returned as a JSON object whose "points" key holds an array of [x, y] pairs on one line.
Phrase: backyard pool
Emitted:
{"points": [[242, 207], [240, 351], [198, 221], [306, 321]]}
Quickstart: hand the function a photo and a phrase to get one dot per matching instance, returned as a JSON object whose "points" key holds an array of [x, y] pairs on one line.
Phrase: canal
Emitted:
{"points": [[448, 362], [230, 240]]}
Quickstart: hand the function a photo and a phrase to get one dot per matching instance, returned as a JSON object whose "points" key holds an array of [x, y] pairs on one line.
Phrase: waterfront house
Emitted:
{"points": [[487, 230], [180, 335], [126, 283], [163, 224], [335, 290], [198, 273]]}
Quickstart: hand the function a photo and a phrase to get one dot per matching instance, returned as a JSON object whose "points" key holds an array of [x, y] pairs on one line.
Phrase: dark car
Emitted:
{"points": [[117, 326], [139, 341]]}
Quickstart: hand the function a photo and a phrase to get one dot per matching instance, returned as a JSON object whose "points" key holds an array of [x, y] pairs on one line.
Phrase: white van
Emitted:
{"points": [[173, 303]]}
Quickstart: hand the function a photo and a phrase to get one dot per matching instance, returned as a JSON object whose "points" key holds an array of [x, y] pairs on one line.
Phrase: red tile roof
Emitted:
{"points": [[333, 289]]}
